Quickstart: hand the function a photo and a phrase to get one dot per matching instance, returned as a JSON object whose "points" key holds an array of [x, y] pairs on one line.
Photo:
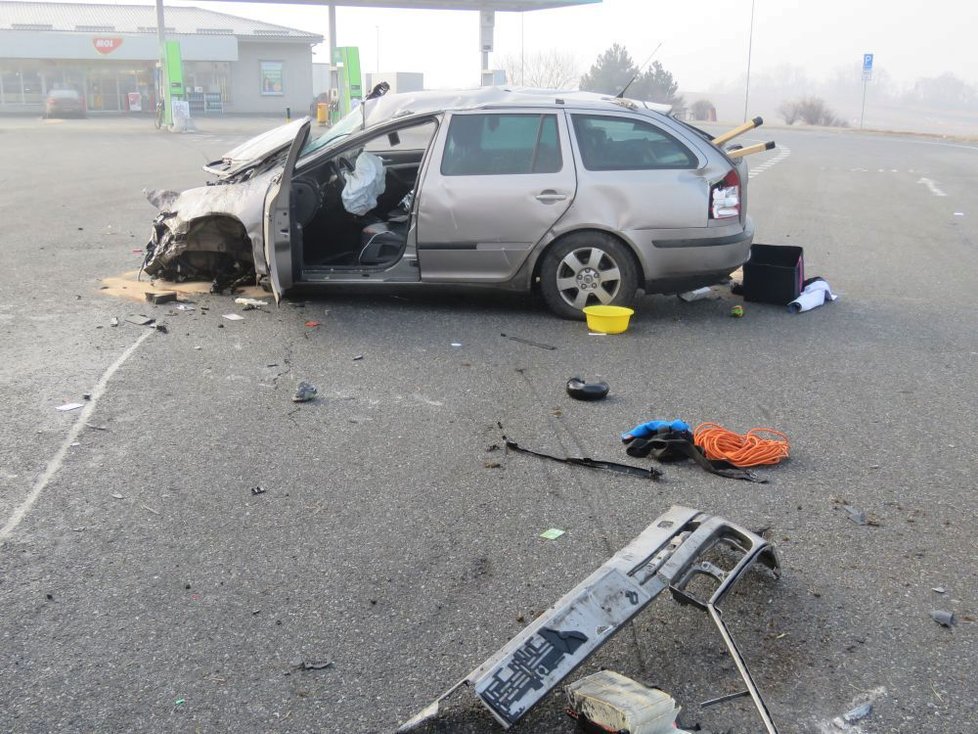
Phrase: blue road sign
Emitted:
{"points": [[867, 62]]}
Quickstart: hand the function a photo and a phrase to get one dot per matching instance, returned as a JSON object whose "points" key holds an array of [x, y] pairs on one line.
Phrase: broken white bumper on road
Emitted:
{"points": [[677, 547]]}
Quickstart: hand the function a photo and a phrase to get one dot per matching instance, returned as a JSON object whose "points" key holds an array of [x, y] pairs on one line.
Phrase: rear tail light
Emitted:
{"points": [[725, 197]]}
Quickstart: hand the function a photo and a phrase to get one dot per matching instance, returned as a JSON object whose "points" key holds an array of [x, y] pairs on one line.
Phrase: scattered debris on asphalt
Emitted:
{"points": [[139, 319], [304, 392], [258, 490], [68, 406], [233, 317], [612, 466], [456, 344], [113, 321], [939, 590], [530, 342], [580, 389], [303, 664], [943, 618], [117, 496], [552, 533], [357, 357], [855, 514], [250, 303], [185, 307], [96, 428], [609, 701], [669, 554], [311, 324], [858, 713], [162, 328], [695, 295], [160, 297], [737, 311]]}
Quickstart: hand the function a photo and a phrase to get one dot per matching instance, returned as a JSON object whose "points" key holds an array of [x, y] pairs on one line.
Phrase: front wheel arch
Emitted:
{"points": [[556, 259]]}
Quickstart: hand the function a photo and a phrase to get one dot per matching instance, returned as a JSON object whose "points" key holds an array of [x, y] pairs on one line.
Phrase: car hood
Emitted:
{"points": [[257, 150]]}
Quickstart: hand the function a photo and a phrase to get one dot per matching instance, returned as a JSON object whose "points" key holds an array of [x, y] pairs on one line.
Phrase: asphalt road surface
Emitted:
{"points": [[144, 588]]}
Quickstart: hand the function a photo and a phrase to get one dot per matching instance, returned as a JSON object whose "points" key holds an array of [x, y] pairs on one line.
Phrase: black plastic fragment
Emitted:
{"points": [[580, 389]]}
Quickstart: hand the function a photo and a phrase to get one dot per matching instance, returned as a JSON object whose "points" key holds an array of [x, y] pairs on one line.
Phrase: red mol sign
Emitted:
{"points": [[106, 45]]}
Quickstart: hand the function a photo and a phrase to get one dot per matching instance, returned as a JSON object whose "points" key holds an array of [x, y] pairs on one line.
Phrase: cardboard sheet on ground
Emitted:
{"points": [[125, 285]]}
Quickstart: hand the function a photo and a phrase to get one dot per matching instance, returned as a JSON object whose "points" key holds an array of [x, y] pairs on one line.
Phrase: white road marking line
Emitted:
{"points": [[932, 186], [58, 459], [783, 152]]}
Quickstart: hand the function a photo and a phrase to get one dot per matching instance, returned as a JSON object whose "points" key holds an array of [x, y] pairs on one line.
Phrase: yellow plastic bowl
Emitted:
{"points": [[608, 319]]}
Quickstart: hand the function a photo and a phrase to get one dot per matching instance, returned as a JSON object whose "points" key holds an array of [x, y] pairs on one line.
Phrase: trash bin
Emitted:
{"points": [[774, 274]]}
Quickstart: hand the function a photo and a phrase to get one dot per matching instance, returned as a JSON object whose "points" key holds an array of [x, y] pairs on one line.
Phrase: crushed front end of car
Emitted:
{"points": [[208, 233]]}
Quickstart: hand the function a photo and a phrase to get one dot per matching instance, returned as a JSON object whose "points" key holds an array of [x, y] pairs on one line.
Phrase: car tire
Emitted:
{"points": [[587, 269]]}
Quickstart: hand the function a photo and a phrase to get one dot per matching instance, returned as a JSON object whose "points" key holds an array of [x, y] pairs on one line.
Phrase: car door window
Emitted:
{"points": [[622, 144], [494, 144]]}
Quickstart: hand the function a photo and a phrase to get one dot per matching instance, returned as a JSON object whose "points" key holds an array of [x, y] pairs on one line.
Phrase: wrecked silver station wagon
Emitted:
{"points": [[586, 197]]}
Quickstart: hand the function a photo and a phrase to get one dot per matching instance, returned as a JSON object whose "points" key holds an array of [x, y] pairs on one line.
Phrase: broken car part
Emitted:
{"points": [[304, 392], [614, 703], [580, 389], [679, 546], [612, 466], [532, 343]]}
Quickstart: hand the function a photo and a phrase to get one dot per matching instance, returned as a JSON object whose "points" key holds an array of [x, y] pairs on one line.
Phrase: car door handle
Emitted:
{"points": [[550, 196]]}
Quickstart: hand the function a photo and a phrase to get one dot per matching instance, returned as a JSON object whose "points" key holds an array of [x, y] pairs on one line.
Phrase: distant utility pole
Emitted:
{"points": [[750, 47]]}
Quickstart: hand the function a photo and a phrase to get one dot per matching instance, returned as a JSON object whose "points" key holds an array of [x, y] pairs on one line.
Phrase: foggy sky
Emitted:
{"points": [[704, 44]]}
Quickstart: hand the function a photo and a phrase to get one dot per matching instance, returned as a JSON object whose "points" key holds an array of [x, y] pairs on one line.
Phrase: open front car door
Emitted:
{"points": [[278, 227]]}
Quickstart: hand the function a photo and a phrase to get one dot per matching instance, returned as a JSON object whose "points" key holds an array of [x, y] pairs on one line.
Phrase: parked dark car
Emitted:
{"points": [[64, 103]]}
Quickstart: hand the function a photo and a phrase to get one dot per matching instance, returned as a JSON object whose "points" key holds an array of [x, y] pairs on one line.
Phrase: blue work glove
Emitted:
{"points": [[649, 429]]}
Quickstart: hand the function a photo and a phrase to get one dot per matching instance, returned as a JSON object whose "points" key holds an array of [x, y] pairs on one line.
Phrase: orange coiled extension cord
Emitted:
{"points": [[748, 449]]}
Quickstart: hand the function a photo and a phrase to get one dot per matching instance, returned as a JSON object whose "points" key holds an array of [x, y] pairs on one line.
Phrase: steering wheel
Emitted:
{"points": [[344, 163]]}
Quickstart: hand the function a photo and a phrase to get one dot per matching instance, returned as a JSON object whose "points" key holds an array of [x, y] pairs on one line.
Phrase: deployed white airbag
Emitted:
{"points": [[364, 184]]}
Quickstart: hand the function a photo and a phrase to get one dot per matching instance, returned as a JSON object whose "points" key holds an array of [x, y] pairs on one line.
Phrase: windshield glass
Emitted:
{"points": [[341, 129]]}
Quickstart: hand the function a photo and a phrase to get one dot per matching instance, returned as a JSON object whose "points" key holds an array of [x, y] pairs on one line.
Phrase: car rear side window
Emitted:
{"points": [[497, 144], [622, 144]]}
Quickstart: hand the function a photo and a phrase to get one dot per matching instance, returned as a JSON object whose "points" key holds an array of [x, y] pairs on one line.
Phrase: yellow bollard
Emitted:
{"points": [[322, 112]]}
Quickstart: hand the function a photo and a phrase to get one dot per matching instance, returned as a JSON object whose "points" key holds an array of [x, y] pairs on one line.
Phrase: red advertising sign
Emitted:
{"points": [[106, 45]]}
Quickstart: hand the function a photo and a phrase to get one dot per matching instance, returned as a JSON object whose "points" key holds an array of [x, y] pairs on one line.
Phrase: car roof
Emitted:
{"points": [[391, 106]]}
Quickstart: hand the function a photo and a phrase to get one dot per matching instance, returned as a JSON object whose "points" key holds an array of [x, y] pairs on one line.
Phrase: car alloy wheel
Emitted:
{"points": [[587, 269]]}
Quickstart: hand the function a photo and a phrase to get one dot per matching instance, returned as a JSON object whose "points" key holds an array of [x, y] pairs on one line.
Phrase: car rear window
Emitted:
{"points": [[495, 144], [624, 144], [64, 94]]}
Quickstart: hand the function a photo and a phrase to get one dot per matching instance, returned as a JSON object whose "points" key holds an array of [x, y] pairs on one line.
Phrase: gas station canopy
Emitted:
{"points": [[486, 9], [513, 6]]}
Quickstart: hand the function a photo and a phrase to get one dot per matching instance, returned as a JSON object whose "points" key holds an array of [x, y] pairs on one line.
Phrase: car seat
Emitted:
{"points": [[382, 242]]}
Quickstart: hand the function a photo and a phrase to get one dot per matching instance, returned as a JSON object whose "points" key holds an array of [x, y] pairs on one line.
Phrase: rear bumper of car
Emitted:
{"points": [[673, 264]]}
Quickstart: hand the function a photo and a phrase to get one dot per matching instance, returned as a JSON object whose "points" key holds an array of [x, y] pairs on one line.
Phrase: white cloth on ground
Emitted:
{"points": [[815, 294]]}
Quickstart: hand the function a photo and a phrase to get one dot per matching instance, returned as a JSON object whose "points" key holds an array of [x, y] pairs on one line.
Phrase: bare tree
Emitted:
{"points": [[549, 69], [789, 111], [810, 110]]}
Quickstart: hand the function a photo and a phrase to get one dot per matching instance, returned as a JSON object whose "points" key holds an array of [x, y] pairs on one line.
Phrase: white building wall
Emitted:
{"points": [[246, 90]]}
